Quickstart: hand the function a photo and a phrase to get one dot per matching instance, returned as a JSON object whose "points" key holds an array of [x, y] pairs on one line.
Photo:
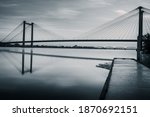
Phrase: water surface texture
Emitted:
{"points": [[54, 73]]}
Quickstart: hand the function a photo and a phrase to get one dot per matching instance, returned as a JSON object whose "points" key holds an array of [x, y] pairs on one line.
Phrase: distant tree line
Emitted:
{"points": [[146, 43]]}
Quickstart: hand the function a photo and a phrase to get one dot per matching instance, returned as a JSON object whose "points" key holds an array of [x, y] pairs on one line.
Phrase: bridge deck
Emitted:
{"points": [[77, 40], [129, 80]]}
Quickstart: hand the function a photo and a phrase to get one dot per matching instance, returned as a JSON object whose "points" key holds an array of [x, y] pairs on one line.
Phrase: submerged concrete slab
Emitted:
{"points": [[129, 80]]}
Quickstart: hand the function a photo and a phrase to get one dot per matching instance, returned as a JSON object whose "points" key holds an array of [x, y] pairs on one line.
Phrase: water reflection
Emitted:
{"points": [[23, 62], [26, 69], [53, 73], [32, 74]]}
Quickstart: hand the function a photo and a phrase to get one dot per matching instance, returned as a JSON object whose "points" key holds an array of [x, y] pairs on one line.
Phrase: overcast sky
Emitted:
{"points": [[65, 17]]}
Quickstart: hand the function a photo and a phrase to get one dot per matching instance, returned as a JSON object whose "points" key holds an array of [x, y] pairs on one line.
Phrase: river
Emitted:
{"points": [[43, 73]]}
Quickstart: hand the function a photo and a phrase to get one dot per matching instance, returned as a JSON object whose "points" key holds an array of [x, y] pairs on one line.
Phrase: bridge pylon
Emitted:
{"points": [[24, 32], [140, 34]]}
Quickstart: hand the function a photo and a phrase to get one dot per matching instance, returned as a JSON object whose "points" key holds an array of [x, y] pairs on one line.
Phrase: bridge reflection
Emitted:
{"points": [[29, 69], [23, 62]]}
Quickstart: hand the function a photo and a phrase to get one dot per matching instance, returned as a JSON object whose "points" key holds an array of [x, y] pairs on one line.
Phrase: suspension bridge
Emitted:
{"points": [[129, 27], [134, 26]]}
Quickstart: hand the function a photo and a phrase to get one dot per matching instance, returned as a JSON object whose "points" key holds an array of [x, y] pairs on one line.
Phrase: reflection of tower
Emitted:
{"points": [[23, 61], [31, 60]]}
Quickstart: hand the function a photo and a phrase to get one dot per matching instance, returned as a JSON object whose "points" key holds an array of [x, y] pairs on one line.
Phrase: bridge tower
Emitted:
{"points": [[140, 34], [24, 32]]}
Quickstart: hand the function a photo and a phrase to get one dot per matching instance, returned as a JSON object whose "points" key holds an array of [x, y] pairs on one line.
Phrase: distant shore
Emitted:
{"points": [[72, 47]]}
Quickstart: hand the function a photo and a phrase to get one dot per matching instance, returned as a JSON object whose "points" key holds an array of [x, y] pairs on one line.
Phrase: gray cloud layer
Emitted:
{"points": [[68, 17]]}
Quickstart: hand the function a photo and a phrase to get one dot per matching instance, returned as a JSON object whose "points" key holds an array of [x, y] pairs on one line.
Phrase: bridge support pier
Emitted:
{"points": [[24, 32], [140, 35], [32, 24]]}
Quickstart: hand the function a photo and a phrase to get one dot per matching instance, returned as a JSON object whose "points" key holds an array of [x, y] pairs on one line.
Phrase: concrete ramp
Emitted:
{"points": [[129, 80]]}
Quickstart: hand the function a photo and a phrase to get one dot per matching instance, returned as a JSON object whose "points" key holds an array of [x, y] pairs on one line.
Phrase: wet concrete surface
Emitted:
{"points": [[130, 80]]}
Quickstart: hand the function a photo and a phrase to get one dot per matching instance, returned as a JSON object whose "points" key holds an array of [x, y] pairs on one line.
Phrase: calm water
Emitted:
{"points": [[54, 73]]}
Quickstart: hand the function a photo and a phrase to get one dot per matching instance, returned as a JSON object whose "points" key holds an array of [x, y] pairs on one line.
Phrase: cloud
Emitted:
{"points": [[9, 5], [99, 3], [64, 13], [120, 12]]}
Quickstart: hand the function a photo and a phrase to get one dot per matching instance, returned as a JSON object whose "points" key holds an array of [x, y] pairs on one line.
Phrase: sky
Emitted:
{"points": [[65, 17]]}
